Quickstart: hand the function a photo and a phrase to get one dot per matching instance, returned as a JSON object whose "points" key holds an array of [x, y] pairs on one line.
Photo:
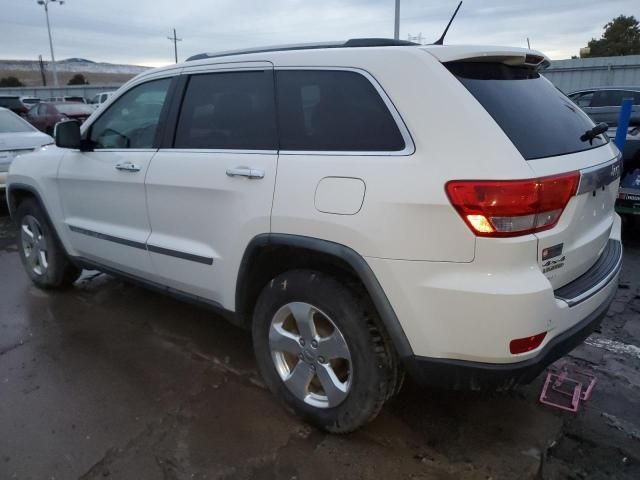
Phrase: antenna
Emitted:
{"points": [[440, 41]]}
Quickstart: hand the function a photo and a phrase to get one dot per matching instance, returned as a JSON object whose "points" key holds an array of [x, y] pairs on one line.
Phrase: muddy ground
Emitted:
{"points": [[108, 380]]}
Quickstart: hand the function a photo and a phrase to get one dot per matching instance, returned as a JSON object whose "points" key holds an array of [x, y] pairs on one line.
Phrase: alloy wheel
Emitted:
{"points": [[310, 355], [34, 245]]}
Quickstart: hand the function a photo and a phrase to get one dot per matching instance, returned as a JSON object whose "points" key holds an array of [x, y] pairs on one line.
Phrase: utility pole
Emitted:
{"points": [[45, 3], [528, 43], [175, 41], [396, 30], [44, 77]]}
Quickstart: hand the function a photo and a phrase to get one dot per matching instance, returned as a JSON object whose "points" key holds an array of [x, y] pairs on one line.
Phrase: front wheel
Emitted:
{"points": [[41, 254], [320, 350]]}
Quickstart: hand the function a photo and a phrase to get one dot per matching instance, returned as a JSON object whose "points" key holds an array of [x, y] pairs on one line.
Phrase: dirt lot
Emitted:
{"points": [[108, 380]]}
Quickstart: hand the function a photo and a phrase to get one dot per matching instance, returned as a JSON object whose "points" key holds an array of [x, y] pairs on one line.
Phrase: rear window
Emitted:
{"points": [[538, 119], [10, 102], [333, 111]]}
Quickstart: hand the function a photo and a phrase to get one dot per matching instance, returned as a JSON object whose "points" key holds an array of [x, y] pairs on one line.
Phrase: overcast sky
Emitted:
{"points": [[134, 31]]}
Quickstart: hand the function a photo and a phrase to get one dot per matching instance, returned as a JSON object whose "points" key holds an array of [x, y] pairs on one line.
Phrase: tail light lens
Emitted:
{"points": [[508, 208]]}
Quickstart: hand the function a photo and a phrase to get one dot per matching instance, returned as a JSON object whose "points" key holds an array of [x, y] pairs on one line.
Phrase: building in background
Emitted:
{"points": [[580, 73]]}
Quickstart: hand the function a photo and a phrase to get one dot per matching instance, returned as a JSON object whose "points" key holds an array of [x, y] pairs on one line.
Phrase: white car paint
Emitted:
{"points": [[456, 295]]}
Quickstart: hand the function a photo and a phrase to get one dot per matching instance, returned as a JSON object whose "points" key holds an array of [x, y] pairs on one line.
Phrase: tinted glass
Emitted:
{"points": [[582, 99], [333, 111], [609, 98], [228, 111], [11, 123], [538, 119], [10, 102], [131, 122]]}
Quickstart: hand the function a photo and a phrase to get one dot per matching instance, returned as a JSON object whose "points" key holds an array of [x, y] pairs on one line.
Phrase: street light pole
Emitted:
{"points": [[396, 30], [53, 58]]}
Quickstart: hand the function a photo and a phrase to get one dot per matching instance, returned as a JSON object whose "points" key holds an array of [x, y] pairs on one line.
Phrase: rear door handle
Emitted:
{"points": [[127, 167], [251, 173]]}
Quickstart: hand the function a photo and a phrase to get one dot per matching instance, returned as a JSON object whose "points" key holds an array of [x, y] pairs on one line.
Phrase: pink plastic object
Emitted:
{"points": [[586, 379], [567, 388]]}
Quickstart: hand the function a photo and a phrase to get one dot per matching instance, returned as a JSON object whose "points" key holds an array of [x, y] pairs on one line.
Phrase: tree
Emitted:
{"points": [[78, 79], [10, 81], [621, 37]]}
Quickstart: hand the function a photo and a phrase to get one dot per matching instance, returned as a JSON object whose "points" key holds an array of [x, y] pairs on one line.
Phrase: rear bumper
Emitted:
{"points": [[461, 374]]}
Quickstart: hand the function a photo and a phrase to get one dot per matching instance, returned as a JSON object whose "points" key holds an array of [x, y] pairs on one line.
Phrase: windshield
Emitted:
{"points": [[11, 123], [538, 118], [74, 109]]}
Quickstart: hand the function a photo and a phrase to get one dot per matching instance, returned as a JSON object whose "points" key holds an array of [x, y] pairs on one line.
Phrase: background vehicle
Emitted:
{"points": [[602, 104], [16, 137], [45, 115], [100, 98], [29, 101], [71, 98], [359, 238], [13, 103]]}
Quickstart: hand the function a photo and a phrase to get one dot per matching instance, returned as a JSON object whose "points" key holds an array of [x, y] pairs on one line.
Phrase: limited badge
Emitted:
{"points": [[551, 252]]}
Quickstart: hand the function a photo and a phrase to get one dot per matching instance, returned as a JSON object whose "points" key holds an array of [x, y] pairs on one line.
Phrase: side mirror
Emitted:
{"points": [[67, 134]]}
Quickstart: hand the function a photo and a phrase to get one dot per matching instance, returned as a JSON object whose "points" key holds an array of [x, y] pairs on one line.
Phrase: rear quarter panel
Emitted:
{"points": [[406, 213]]}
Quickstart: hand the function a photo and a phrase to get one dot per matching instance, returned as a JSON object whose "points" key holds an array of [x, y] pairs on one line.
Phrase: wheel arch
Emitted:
{"points": [[19, 192], [268, 255]]}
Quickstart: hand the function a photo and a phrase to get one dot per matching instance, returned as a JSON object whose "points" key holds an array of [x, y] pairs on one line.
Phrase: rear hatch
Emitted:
{"points": [[549, 131]]}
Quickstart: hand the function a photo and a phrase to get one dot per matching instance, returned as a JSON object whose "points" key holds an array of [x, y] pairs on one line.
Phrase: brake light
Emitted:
{"points": [[522, 345], [508, 208]]}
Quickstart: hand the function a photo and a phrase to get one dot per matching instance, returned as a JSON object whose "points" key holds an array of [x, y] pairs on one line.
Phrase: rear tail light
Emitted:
{"points": [[508, 208], [522, 345]]}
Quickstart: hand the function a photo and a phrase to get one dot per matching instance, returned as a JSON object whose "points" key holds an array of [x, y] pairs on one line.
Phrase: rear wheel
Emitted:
{"points": [[320, 350], [40, 251]]}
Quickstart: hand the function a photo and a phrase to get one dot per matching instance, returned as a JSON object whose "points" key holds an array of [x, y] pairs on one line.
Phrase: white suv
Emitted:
{"points": [[365, 208]]}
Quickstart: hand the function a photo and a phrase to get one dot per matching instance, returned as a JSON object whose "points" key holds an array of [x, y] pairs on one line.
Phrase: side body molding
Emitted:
{"points": [[342, 252]]}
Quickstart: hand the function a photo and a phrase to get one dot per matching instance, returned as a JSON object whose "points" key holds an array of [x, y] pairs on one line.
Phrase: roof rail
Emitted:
{"points": [[354, 42]]}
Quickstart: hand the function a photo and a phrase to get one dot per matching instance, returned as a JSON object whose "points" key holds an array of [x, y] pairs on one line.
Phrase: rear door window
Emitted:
{"points": [[230, 110], [538, 118], [330, 110]]}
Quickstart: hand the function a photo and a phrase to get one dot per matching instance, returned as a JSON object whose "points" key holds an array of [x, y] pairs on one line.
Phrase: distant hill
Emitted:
{"points": [[28, 71]]}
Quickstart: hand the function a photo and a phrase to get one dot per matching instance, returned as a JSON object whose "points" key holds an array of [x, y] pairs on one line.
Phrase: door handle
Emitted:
{"points": [[127, 167], [251, 173]]}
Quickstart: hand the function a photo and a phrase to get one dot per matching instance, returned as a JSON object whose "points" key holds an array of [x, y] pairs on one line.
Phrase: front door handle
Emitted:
{"points": [[251, 173], [128, 167]]}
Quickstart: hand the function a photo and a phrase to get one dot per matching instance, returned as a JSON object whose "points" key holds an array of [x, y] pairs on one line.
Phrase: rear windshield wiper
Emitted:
{"points": [[594, 132]]}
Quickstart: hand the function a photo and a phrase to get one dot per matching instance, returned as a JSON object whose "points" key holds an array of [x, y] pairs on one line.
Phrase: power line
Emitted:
{"points": [[175, 41]]}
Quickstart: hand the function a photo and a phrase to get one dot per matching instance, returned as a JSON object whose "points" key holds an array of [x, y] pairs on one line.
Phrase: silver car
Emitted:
{"points": [[602, 104], [17, 136]]}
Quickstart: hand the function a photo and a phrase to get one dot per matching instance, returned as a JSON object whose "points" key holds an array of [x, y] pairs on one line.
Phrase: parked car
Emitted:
{"points": [[603, 104], [45, 115], [13, 103], [100, 98], [71, 98], [29, 101], [17, 137], [320, 196]]}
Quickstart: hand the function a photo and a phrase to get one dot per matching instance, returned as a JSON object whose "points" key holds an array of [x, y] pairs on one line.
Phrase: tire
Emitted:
{"points": [[35, 234], [359, 378]]}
